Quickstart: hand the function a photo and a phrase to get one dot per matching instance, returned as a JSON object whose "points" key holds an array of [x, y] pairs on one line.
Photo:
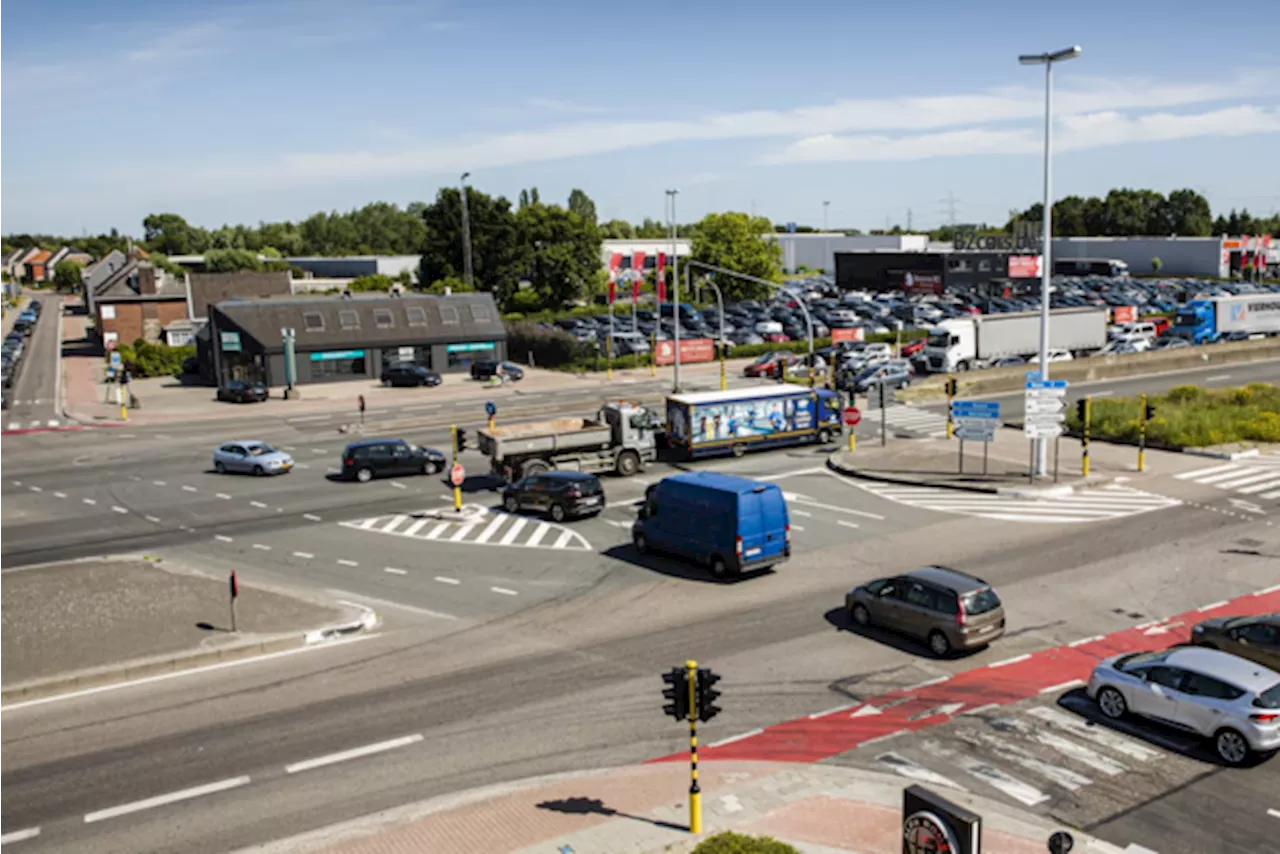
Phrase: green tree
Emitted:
{"points": [[496, 250], [617, 229], [232, 261], [68, 278], [173, 235], [161, 262], [581, 204], [449, 285], [376, 282], [560, 253], [733, 241], [1188, 214]]}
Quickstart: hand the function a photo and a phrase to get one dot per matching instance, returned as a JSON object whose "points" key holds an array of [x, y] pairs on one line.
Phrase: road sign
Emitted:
{"points": [[1046, 405], [976, 429], [852, 416], [490, 409], [457, 474], [1047, 384], [1037, 430], [975, 409]]}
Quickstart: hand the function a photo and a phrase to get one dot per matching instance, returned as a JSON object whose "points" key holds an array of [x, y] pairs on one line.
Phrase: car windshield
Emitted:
{"points": [[767, 357], [1269, 699], [981, 601], [259, 450], [1140, 659]]}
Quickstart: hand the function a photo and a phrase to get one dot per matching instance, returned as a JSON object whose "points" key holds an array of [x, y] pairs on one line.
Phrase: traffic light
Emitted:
{"points": [[952, 386], [1081, 408], [461, 439], [707, 694], [676, 693], [1151, 411]]}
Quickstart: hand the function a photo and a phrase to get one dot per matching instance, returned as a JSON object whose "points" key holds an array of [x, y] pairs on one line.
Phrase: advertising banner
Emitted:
{"points": [[714, 422], [857, 333], [1025, 266], [1124, 314], [922, 283], [691, 350]]}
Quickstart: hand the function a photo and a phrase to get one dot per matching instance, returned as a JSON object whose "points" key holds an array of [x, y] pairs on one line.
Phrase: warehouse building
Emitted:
{"points": [[932, 272], [1203, 257], [350, 338]]}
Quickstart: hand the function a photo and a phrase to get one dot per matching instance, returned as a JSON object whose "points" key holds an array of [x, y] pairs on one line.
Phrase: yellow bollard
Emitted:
{"points": [[853, 440]]}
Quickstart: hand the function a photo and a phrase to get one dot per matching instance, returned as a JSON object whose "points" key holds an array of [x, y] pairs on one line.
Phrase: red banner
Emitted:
{"points": [[637, 262], [691, 350], [1025, 266], [922, 283], [856, 333], [662, 278], [613, 289], [615, 262], [1124, 314]]}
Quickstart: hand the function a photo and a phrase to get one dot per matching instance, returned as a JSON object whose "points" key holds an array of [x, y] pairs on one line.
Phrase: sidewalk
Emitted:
{"points": [[77, 625], [936, 463], [820, 809]]}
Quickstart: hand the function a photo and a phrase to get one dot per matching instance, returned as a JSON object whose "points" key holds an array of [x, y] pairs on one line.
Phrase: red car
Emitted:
{"points": [[913, 348]]}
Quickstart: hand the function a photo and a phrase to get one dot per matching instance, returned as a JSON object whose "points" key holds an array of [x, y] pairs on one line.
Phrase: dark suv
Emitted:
{"points": [[489, 369], [407, 374], [559, 494], [363, 461], [946, 608]]}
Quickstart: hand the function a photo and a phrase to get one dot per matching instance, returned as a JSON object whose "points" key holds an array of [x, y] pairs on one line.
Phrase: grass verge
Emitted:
{"points": [[1189, 417]]}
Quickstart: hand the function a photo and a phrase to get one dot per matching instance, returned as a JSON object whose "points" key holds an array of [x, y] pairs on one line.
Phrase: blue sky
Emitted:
{"points": [[240, 112]]}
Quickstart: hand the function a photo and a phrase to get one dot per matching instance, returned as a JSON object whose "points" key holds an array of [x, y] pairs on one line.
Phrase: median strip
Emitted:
{"points": [[165, 800], [354, 753]]}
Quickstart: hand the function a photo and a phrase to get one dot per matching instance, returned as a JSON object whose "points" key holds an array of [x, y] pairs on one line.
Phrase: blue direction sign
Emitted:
{"points": [[1046, 383], [975, 409], [1033, 376]]}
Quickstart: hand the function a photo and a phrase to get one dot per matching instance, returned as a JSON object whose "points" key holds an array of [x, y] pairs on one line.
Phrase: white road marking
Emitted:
{"points": [[1187, 475], [1013, 660], [188, 489], [864, 711], [59, 495], [306, 555], [393, 524], [463, 530], [809, 502], [304, 418], [444, 579], [504, 591], [223, 496], [801, 513], [435, 532], [1272, 813], [1084, 641], [731, 739], [1264, 591], [492, 529], [417, 526], [20, 835], [1212, 605], [398, 485], [35, 489], [997, 779], [164, 800], [257, 504], [1059, 776], [1217, 378], [936, 681], [847, 524], [843, 708], [1063, 686], [311, 516], [565, 538], [387, 603], [980, 710], [1093, 732], [222, 538], [797, 528], [262, 547], [88, 501], [118, 509], [394, 571], [354, 753], [368, 523], [538, 534], [342, 562], [915, 771], [797, 473], [152, 519], [158, 483]]}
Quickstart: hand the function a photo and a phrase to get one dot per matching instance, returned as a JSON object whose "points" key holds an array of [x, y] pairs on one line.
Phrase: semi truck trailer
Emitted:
{"points": [[738, 420], [1203, 321], [976, 341]]}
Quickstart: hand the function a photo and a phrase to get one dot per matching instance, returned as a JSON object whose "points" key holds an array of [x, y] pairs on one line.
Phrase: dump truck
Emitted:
{"points": [[621, 439], [977, 341]]}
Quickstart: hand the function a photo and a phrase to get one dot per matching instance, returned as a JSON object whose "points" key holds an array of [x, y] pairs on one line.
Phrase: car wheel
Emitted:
{"points": [[938, 643], [719, 568], [738, 449], [1111, 703], [640, 541], [628, 463], [430, 467], [219, 468], [1231, 746], [511, 504], [861, 616], [258, 471], [824, 436], [557, 513], [364, 475]]}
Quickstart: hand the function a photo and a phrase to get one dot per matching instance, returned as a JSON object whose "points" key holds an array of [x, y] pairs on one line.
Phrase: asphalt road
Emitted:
{"points": [[33, 399]]}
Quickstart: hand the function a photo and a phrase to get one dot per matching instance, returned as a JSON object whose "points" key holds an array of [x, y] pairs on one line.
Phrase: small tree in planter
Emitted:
{"points": [[1156, 264]]}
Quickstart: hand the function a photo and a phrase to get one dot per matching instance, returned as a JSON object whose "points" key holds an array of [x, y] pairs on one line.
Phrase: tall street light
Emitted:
{"points": [[1046, 261], [466, 236], [675, 287], [825, 205]]}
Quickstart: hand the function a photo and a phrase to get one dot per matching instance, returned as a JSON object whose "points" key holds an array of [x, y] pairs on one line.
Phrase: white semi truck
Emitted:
{"points": [[620, 439], [977, 341]]}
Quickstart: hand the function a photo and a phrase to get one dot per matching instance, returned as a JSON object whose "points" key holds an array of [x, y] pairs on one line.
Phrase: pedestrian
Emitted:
{"points": [[361, 402]]}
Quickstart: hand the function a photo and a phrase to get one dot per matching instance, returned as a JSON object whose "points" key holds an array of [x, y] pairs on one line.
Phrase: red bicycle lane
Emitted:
{"points": [[929, 704]]}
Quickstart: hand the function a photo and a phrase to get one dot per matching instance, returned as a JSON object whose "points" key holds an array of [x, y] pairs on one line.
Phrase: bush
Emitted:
{"points": [[143, 358], [1190, 417], [737, 843], [549, 348]]}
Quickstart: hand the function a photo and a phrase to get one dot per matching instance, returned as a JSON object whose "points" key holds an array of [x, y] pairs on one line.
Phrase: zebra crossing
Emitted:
{"points": [[1035, 757], [1089, 505], [487, 528], [1258, 477], [904, 418], [34, 424]]}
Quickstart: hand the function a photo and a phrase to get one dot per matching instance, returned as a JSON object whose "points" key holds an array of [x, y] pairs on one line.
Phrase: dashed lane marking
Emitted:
{"points": [[353, 753], [118, 509], [59, 495], [88, 501], [188, 489], [166, 799], [257, 504], [394, 571], [311, 517], [504, 591], [342, 562], [443, 579], [19, 835], [152, 519], [222, 538], [223, 496], [262, 547], [304, 555]]}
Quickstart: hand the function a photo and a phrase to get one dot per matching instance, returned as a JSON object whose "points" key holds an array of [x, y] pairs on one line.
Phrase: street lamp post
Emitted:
{"points": [[724, 376], [825, 205], [1046, 262], [466, 235], [675, 287]]}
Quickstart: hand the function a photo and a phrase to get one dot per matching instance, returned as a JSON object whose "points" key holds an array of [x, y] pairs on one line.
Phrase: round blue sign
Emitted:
{"points": [[490, 409]]}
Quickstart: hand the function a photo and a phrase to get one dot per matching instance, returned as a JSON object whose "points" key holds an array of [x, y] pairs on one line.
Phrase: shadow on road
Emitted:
{"points": [[674, 567], [840, 619], [595, 806]]}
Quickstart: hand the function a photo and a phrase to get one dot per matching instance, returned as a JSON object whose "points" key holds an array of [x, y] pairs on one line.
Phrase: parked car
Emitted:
{"points": [[370, 458], [488, 369], [766, 364], [251, 457], [1233, 701], [409, 375], [243, 391], [1254, 638], [891, 375], [559, 494], [946, 608]]}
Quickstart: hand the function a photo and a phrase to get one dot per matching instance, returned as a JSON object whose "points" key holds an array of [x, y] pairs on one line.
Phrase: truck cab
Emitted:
{"points": [[951, 346], [1196, 322]]}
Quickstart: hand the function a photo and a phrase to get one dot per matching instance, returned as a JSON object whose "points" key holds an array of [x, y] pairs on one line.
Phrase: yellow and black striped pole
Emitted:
{"points": [[1142, 436], [695, 793], [1086, 414]]}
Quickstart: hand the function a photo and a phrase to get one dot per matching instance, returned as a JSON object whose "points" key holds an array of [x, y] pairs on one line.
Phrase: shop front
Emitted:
{"points": [[463, 354], [332, 365]]}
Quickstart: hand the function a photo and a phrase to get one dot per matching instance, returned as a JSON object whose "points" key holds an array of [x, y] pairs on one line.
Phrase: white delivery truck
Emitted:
{"points": [[974, 342], [620, 439]]}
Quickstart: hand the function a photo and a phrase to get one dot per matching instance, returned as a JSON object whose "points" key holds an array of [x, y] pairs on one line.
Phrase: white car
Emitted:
{"points": [[1210, 693], [1054, 355], [251, 456]]}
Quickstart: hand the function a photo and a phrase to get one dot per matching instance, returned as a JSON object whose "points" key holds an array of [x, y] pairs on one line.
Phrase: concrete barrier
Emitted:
{"points": [[1002, 380]]}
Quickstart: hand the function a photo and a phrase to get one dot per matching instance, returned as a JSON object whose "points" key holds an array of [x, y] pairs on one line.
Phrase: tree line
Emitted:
{"points": [[1127, 213]]}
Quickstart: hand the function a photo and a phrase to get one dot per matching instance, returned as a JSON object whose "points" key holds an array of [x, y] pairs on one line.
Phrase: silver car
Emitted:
{"points": [[251, 457], [1210, 693]]}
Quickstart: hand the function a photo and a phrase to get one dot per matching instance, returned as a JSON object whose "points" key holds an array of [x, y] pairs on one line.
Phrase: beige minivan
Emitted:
{"points": [[946, 608]]}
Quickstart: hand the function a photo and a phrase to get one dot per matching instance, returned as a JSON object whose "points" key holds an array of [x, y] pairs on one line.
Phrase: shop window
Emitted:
{"points": [[313, 321], [337, 369], [960, 265], [984, 266], [383, 318], [349, 319], [459, 358], [479, 313], [449, 315], [417, 315]]}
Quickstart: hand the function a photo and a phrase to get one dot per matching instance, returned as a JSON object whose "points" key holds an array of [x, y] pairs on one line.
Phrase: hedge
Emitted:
{"points": [[143, 358], [1189, 417], [737, 843]]}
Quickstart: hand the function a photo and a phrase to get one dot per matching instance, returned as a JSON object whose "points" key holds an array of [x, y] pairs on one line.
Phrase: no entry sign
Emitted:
{"points": [[457, 474], [852, 416]]}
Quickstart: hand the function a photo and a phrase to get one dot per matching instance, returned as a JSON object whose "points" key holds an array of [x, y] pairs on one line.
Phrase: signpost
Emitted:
{"points": [[235, 594], [975, 421], [491, 409], [1045, 412]]}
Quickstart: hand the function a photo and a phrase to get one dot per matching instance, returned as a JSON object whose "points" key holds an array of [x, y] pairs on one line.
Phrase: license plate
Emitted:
{"points": [[753, 552], [595, 500]]}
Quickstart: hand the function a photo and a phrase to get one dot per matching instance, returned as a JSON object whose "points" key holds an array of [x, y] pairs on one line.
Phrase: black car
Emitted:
{"points": [[243, 391], [559, 494], [365, 460], [409, 375], [489, 369]]}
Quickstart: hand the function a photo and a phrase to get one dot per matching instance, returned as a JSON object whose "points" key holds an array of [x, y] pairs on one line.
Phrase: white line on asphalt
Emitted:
{"points": [[444, 579], [884, 737], [222, 538], [461, 533], [313, 517], [1212, 605], [925, 684], [188, 489], [538, 534], [20, 835], [847, 524], [1217, 378], [262, 547], [164, 800], [1013, 660], [306, 555], [394, 571], [1084, 641], [389, 604], [117, 508], [1272, 813], [801, 513], [787, 474], [1264, 591], [153, 519], [809, 502], [257, 504], [843, 708], [88, 501], [319, 451], [354, 753], [797, 528], [398, 485], [731, 739], [347, 562], [981, 709], [1102, 394], [35, 489], [1063, 686], [223, 496], [17, 483], [504, 591], [158, 483], [59, 495]]}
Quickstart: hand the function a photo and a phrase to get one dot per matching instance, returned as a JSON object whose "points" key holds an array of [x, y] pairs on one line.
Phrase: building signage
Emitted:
{"points": [[1124, 313], [691, 350], [852, 333], [1025, 238], [921, 283], [1025, 266], [230, 340], [335, 355], [933, 825], [472, 346]]}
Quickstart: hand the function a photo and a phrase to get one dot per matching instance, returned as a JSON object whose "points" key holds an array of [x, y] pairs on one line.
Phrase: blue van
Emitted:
{"points": [[729, 524]]}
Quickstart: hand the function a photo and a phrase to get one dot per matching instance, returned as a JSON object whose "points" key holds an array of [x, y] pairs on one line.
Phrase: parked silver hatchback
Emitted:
{"points": [[1210, 693]]}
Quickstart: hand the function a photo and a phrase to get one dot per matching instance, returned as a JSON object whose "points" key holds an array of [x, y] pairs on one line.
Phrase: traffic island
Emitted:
{"points": [[79, 625]]}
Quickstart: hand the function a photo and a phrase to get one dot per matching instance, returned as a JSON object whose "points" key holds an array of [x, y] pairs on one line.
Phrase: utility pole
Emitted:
{"points": [[949, 208], [825, 205], [675, 286], [909, 219], [466, 235]]}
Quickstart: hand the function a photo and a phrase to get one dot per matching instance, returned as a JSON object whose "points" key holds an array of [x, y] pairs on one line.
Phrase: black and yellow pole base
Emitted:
{"points": [[1087, 414], [695, 792], [1142, 436]]}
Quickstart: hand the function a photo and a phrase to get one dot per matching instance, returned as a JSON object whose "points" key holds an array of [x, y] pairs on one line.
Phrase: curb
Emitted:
{"points": [[834, 464], [1222, 455], [142, 668]]}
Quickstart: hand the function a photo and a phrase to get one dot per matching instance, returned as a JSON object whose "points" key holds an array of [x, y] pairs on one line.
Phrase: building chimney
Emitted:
{"points": [[146, 279]]}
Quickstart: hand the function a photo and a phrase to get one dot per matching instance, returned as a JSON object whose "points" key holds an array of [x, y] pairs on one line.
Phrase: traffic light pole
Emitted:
{"points": [[1085, 415], [695, 792], [1142, 436], [457, 490], [951, 426]]}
